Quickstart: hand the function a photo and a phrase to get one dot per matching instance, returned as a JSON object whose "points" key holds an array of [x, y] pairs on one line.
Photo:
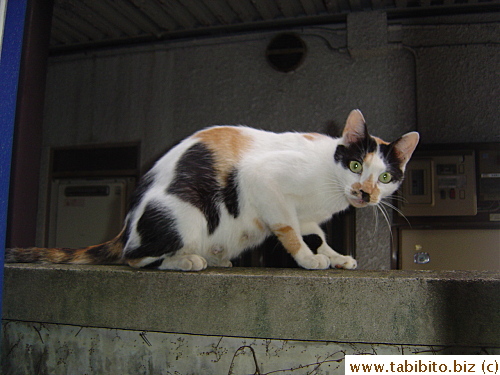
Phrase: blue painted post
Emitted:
{"points": [[10, 61]]}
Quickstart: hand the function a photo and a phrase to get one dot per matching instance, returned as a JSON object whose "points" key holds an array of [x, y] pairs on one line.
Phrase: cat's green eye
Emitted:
{"points": [[356, 166], [385, 178]]}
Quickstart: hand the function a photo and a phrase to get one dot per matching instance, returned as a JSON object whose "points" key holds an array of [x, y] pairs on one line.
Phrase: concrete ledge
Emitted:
{"points": [[398, 307]]}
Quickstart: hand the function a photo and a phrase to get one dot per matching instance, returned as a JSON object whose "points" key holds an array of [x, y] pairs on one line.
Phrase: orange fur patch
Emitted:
{"points": [[369, 187], [287, 236], [259, 224], [60, 256], [375, 195], [105, 253], [227, 144], [380, 141], [134, 262], [369, 158], [312, 136]]}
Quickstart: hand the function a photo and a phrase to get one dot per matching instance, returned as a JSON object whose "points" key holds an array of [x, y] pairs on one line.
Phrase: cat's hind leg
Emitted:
{"points": [[157, 241]]}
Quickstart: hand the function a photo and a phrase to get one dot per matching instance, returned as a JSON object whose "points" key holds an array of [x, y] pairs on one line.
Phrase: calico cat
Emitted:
{"points": [[225, 189]]}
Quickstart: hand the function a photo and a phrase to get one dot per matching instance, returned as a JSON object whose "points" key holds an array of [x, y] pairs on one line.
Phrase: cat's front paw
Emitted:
{"points": [[315, 262], [343, 261]]}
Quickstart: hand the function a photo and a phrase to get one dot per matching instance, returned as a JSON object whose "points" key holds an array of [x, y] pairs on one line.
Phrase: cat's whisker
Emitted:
{"points": [[396, 209], [331, 187], [328, 189], [397, 198], [375, 213], [386, 216], [398, 194], [333, 182], [390, 205]]}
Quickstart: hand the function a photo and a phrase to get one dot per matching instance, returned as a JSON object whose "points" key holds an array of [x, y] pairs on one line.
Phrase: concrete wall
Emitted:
{"points": [[435, 75], [70, 319], [57, 349]]}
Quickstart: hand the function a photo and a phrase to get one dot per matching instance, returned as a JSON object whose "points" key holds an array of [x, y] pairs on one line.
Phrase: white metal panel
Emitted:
{"points": [[87, 212]]}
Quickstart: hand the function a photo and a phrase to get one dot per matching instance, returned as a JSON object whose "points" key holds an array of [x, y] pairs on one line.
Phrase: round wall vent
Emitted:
{"points": [[286, 52]]}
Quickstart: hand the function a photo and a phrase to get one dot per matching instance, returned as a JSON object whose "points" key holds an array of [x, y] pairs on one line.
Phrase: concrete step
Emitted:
{"points": [[396, 307]]}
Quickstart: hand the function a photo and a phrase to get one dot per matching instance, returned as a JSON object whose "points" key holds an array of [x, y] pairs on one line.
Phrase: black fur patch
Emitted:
{"points": [[143, 186], [392, 161], [195, 182], [355, 151], [230, 194], [159, 236], [313, 242], [155, 264]]}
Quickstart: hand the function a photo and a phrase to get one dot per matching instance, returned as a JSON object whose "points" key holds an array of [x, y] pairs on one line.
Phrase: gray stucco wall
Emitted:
{"points": [[438, 78]]}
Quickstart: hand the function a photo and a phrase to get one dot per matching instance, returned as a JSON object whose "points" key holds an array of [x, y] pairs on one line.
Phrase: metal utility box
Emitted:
{"points": [[450, 249], [451, 207], [87, 212], [441, 185]]}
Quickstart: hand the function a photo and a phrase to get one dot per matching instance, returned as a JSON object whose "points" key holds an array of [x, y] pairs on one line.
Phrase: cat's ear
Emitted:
{"points": [[405, 146], [355, 128]]}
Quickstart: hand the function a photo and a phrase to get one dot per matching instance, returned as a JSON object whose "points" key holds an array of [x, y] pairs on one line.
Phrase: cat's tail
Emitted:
{"points": [[106, 253]]}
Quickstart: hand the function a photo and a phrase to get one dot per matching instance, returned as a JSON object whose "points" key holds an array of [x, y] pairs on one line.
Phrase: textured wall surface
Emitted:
{"points": [[34, 348], [81, 319], [452, 120], [439, 79]]}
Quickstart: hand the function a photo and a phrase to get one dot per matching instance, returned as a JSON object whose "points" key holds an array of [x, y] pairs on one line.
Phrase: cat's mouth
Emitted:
{"points": [[357, 202]]}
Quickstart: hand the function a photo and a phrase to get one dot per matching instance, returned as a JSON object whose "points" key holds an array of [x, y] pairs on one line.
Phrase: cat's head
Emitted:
{"points": [[374, 168]]}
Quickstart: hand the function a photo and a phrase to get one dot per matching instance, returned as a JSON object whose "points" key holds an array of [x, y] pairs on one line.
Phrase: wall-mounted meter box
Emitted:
{"points": [[440, 184]]}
